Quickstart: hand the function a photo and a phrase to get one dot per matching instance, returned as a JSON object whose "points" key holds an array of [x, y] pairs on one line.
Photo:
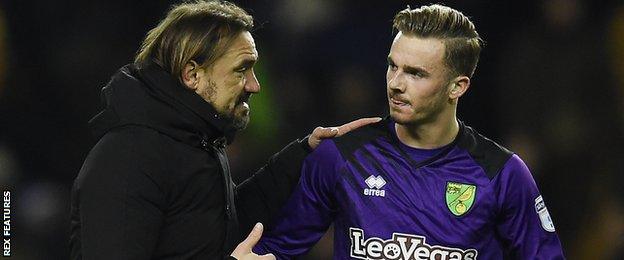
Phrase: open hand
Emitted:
{"points": [[320, 133]]}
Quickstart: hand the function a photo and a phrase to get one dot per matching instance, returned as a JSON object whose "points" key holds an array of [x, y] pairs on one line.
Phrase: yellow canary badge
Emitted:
{"points": [[460, 197]]}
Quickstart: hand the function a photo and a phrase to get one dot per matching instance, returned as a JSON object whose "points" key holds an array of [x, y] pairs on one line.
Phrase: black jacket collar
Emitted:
{"points": [[151, 97]]}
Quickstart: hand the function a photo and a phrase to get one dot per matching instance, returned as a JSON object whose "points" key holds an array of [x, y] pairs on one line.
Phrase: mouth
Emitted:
{"points": [[245, 105], [244, 99], [399, 102], [243, 102]]}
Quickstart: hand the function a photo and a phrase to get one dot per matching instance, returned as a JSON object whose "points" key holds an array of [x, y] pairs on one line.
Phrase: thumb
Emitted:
{"points": [[245, 247], [254, 236]]}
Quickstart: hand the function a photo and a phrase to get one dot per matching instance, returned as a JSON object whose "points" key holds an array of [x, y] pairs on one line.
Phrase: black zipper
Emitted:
{"points": [[218, 148]]}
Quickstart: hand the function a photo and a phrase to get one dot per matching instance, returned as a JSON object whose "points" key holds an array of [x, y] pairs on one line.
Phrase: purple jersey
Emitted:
{"points": [[472, 199]]}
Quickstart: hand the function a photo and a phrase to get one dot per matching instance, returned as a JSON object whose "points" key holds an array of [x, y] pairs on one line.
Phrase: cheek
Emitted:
{"points": [[233, 87], [209, 90], [425, 93], [421, 89]]}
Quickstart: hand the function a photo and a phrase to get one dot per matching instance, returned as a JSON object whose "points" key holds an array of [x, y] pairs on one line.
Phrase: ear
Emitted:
{"points": [[459, 86], [190, 76]]}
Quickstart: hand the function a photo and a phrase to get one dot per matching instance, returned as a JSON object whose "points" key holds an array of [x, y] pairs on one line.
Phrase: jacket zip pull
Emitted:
{"points": [[204, 144], [220, 142]]}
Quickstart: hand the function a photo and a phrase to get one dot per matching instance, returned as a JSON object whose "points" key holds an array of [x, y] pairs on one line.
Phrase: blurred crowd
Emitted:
{"points": [[549, 86]]}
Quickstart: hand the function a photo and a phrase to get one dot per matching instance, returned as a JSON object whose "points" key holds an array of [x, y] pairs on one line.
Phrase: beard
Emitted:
{"points": [[239, 115], [240, 120]]}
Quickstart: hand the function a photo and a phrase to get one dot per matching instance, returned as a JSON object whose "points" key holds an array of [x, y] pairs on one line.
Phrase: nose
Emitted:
{"points": [[395, 81], [252, 85]]}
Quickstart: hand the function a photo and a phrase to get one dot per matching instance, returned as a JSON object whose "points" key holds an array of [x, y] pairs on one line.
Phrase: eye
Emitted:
{"points": [[392, 67], [416, 74], [241, 69]]}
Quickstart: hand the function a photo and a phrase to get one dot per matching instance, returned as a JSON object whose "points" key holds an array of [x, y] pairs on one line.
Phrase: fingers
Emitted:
{"points": [[321, 133], [325, 132], [348, 127], [254, 236], [245, 247]]}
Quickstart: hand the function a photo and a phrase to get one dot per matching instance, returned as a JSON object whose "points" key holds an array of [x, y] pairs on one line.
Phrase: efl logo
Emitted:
{"points": [[375, 183], [544, 216], [403, 246]]}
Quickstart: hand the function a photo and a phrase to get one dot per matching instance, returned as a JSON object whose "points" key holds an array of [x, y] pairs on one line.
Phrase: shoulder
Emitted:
{"points": [[491, 156], [118, 168], [516, 171], [353, 141], [132, 141], [326, 153], [129, 149]]}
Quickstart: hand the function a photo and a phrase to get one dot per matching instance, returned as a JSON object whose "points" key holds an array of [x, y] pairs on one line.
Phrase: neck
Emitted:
{"points": [[430, 135]]}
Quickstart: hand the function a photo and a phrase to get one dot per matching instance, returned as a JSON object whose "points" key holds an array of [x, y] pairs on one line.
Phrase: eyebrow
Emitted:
{"points": [[247, 63], [411, 69]]}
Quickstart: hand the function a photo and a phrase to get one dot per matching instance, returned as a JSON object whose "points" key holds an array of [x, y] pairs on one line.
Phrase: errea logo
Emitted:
{"points": [[375, 183]]}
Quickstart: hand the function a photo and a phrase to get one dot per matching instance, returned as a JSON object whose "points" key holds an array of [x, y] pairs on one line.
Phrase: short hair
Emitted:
{"points": [[199, 30], [462, 42]]}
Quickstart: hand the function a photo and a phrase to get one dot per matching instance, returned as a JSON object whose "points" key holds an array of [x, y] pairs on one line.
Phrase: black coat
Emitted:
{"points": [[157, 184]]}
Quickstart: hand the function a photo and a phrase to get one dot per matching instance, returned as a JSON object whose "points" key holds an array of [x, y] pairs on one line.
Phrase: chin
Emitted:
{"points": [[240, 122], [401, 118], [239, 118], [405, 119]]}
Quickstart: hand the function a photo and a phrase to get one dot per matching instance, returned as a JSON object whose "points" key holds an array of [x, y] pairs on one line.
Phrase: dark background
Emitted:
{"points": [[549, 86]]}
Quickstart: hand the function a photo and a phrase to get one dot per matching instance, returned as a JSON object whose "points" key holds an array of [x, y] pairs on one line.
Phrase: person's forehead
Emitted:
{"points": [[421, 51], [242, 45]]}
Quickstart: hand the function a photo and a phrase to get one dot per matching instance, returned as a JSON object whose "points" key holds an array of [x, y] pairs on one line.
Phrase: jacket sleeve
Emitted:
{"points": [[116, 206], [525, 225], [309, 211], [259, 198]]}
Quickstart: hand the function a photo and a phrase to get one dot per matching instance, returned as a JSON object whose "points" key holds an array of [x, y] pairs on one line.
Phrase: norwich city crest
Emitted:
{"points": [[460, 197]]}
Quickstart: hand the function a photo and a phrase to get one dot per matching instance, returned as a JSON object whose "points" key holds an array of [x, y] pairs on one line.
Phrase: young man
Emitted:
{"points": [[157, 184], [419, 184]]}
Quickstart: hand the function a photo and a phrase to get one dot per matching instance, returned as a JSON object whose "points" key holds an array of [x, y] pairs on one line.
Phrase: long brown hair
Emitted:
{"points": [[199, 31]]}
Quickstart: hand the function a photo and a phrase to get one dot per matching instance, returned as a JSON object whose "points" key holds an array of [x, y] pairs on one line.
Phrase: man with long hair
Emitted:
{"points": [[157, 184]]}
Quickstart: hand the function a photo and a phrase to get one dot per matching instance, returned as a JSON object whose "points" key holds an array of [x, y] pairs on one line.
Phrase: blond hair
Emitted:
{"points": [[462, 42], [199, 31]]}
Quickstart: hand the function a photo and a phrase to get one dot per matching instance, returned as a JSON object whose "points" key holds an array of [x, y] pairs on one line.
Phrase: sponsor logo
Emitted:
{"points": [[403, 246], [460, 197], [375, 183], [544, 216]]}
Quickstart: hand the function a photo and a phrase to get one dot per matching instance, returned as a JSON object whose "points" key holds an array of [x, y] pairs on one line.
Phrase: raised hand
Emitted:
{"points": [[321, 133]]}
